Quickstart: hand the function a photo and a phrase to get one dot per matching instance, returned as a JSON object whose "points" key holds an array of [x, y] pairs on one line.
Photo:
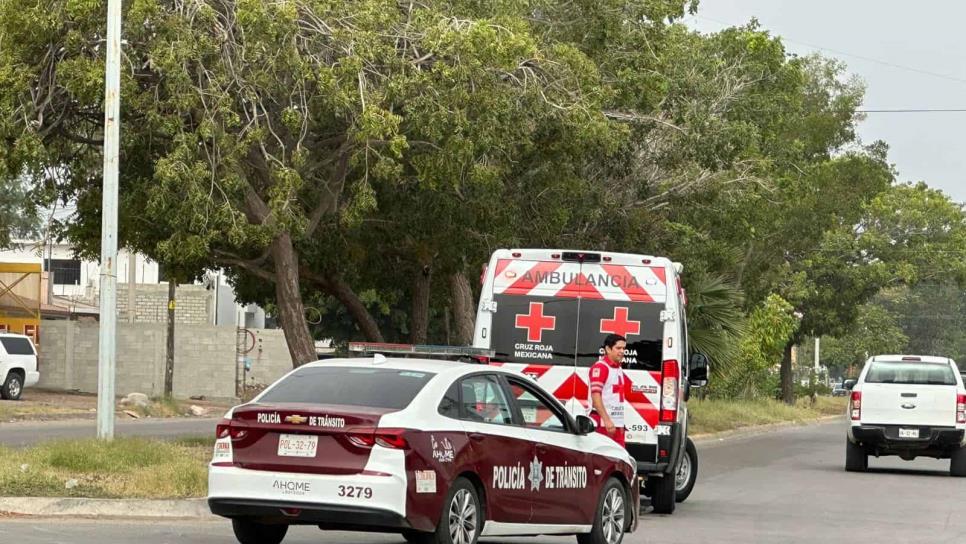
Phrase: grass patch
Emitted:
{"points": [[124, 468], [20, 409], [159, 407], [711, 416]]}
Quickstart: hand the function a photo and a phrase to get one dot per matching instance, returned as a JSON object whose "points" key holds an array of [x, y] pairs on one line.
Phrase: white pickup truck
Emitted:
{"points": [[18, 365], [909, 406]]}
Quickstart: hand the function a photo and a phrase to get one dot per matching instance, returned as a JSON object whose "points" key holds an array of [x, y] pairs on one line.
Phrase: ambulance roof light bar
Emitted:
{"points": [[420, 349]]}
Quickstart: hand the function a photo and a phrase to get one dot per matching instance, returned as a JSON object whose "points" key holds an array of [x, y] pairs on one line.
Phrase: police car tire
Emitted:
{"points": [[596, 534], [682, 493], [957, 463], [252, 532], [856, 460], [663, 494], [442, 534]]}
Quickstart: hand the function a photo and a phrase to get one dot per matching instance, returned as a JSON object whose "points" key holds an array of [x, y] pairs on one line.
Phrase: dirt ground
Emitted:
{"points": [[46, 405]]}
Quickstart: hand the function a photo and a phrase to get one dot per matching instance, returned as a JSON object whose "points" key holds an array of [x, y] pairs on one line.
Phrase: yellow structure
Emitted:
{"points": [[21, 296]]}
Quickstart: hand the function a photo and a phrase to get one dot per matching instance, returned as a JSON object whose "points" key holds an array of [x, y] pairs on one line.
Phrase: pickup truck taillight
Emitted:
{"points": [[669, 391], [960, 408], [856, 405]]}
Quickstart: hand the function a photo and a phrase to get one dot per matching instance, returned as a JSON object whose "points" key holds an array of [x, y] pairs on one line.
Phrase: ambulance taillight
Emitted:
{"points": [[669, 391]]}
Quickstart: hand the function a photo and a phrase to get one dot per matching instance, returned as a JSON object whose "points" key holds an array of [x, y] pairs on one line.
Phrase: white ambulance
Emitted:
{"points": [[545, 313]]}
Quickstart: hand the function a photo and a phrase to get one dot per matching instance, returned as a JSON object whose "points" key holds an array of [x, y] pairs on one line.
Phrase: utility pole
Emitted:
{"points": [[107, 356], [169, 359]]}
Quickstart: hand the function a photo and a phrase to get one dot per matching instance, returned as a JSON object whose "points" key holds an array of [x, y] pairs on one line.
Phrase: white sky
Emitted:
{"points": [[911, 55]]}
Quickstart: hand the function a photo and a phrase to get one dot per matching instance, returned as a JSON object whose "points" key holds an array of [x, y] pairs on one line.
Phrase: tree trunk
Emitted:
{"points": [[464, 311], [288, 297], [787, 376], [169, 356], [339, 289], [419, 317]]}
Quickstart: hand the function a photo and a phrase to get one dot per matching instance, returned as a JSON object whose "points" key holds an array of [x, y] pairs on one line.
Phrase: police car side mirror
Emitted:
{"points": [[698, 370], [585, 425]]}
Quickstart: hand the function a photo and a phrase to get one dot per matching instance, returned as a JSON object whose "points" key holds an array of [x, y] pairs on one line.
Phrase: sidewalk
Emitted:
{"points": [[198, 508]]}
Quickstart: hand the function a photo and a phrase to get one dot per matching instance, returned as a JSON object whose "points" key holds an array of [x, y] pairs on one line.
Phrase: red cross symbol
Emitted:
{"points": [[620, 324], [535, 322]]}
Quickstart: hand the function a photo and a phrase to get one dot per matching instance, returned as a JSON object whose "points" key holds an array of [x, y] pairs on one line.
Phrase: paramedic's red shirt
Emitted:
{"points": [[607, 379]]}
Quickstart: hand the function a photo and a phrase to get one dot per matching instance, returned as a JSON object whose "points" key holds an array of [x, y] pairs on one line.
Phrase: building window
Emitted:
{"points": [[66, 271]]}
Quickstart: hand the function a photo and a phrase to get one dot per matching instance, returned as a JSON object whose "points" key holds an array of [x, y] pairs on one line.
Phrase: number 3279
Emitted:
{"points": [[355, 492]]}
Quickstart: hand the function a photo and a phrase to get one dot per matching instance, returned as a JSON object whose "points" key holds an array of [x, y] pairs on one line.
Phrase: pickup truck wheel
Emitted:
{"points": [[687, 473], [856, 460], [13, 387], [957, 463]]}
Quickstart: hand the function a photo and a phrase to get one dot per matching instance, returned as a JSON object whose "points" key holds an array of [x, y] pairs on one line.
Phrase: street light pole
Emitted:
{"points": [[107, 357]]}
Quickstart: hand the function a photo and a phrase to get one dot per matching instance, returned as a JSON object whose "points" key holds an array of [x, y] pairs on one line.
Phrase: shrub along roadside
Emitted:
{"points": [[715, 415], [131, 468]]}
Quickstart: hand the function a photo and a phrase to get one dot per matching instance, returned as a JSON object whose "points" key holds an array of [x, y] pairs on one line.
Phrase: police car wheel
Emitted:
{"points": [[687, 473], [417, 537], [462, 518], [612, 513], [251, 532]]}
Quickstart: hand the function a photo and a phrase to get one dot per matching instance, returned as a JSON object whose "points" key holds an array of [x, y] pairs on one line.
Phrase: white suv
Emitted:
{"points": [[909, 406], [18, 365]]}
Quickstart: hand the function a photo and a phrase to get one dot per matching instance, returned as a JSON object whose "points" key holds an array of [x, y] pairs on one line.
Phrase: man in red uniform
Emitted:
{"points": [[607, 389]]}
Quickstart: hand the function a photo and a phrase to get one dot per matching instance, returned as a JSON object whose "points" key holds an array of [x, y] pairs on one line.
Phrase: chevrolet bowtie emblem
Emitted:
{"points": [[296, 419]]}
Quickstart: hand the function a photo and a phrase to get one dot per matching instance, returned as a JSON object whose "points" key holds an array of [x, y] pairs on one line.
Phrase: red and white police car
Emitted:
{"points": [[441, 452]]}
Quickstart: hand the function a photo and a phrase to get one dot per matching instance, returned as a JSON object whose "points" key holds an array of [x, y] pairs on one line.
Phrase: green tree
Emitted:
{"points": [[875, 331], [256, 133]]}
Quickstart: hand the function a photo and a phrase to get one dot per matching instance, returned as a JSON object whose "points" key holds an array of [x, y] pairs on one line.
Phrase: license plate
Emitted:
{"points": [[908, 433], [297, 445]]}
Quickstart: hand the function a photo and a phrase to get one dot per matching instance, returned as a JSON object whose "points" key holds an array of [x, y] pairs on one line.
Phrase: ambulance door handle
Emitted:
{"points": [[477, 436], [542, 448]]}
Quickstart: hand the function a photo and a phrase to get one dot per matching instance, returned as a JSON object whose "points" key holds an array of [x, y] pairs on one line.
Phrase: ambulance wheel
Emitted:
{"points": [[687, 473], [251, 532], [610, 520], [663, 493]]}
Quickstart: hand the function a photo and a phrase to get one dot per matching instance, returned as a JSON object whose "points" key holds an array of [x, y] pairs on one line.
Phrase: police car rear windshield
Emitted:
{"points": [[910, 373], [351, 386]]}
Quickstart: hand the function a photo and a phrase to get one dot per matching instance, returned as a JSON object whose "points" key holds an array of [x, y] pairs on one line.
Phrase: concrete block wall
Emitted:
{"points": [[194, 304], [204, 363]]}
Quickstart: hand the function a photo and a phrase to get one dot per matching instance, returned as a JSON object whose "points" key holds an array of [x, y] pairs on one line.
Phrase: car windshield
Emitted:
{"points": [[910, 373], [352, 386]]}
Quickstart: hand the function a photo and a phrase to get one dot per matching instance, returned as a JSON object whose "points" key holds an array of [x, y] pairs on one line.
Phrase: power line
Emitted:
{"points": [[915, 110], [847, 54]]}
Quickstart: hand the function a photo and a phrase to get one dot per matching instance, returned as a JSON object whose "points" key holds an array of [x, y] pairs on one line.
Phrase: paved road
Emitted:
{"points": [[26, 433], [784, 487]]}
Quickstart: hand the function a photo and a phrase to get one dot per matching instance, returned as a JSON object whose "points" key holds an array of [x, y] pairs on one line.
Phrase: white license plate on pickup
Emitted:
{"points": [[908, 433], [297, 445]]}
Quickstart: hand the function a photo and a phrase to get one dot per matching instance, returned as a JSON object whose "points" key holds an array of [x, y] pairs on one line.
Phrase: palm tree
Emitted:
{"points": [[716, 321]]}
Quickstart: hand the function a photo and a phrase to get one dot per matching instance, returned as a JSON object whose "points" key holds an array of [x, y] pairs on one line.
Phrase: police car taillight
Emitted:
{"points": [[856, 405], [960, 408], [669, 391], [224, 430], [387, 438]]}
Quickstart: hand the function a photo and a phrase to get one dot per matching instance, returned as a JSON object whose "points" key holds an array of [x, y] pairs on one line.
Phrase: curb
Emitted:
{"points": [[198, 508], [755, 430], [106, 508]]}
